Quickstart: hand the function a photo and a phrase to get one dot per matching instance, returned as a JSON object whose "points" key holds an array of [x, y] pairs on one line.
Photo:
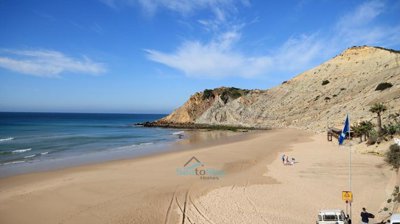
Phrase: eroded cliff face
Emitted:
{"points": [[190, 111], [315, 99]]}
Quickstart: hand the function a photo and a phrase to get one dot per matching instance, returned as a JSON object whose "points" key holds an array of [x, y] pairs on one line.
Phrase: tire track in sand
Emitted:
{"points": [[252, 202], [205, 217], [168, 214]]}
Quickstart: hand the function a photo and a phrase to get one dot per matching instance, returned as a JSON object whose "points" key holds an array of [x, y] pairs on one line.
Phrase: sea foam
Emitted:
{"points": [[21, 150], [178, 133], [30, 156], [14, 162], [6, 139]]}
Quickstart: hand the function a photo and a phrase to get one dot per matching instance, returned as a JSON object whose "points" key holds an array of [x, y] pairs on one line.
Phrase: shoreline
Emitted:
{"points": [[194, 139], [148, 190]]}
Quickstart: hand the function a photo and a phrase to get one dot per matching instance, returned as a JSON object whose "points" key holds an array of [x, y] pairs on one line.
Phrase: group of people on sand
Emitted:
{"points": [[365, 216], [286, 161]]}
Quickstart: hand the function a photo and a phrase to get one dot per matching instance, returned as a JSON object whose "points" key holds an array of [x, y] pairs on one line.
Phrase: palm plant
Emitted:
{"points": [[357, 131], [378, 108], [366, 127], [362, 129]]}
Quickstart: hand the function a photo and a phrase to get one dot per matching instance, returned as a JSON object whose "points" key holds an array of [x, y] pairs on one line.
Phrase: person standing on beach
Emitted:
{"points": [[283, 158], [365, 216], [348, 219]]}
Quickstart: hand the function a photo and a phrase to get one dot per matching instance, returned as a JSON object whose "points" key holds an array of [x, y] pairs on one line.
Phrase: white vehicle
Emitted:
{"points": [[395, 218], [331, 216]]}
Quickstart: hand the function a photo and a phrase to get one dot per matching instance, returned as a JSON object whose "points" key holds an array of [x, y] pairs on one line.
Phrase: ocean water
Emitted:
{"points": [[37, 137]]}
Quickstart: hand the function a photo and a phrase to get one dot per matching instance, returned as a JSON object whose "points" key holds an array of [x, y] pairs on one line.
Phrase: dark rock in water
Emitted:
{"points": [[146, 124], [169, 125], [164, 124]]}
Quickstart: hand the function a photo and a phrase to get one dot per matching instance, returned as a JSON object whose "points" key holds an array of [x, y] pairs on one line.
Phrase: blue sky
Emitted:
{"points": [[138, 56]]}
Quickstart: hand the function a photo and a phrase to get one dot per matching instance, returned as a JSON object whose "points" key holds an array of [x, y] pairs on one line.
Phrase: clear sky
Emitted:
{"points": [[149, 56]]}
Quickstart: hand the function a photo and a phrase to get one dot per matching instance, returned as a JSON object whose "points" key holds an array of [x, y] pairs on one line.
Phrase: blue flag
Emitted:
{"points": [[346, 129]]}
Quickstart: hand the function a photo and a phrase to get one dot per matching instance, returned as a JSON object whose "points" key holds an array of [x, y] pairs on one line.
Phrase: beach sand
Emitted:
{"points": [[299, 191], [256, 187]]}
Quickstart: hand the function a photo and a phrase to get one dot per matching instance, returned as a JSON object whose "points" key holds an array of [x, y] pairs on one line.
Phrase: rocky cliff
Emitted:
{"points": [[315, 99]]}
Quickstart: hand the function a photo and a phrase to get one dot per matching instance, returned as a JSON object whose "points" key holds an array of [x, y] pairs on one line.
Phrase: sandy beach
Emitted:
{"points": [[255, 188]]}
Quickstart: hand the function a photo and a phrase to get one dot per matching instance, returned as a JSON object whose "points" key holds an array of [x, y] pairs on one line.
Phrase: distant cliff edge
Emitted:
{"points": [[313, 100]]}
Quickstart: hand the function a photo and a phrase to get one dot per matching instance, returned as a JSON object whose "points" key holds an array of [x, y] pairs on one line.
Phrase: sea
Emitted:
{"points": [[41, 141]]}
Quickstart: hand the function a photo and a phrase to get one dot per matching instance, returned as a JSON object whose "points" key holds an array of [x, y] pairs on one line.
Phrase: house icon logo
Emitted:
{"points": [[194, 167], [192, 160]]}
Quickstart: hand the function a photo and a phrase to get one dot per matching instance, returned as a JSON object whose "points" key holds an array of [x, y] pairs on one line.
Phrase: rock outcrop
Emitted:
{"points": [[313, 100]]}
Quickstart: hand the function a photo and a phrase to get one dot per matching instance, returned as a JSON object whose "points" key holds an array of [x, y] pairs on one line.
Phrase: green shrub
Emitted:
{"points": [[362, 129], [382, 86], [225, 96], [325, 82], [393, 156], [366, 126], [232, 93], [387, 49], [395, 120], [373, 137], [391, 129], [235, 94], [207, 94]]}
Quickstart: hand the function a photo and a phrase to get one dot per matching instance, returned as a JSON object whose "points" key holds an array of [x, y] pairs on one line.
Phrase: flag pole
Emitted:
{"points": [[351, 218], [346, 130]]}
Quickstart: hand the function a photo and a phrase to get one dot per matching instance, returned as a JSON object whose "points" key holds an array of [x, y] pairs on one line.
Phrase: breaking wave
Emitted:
{"points": [[21, 150], [6, 139]]}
